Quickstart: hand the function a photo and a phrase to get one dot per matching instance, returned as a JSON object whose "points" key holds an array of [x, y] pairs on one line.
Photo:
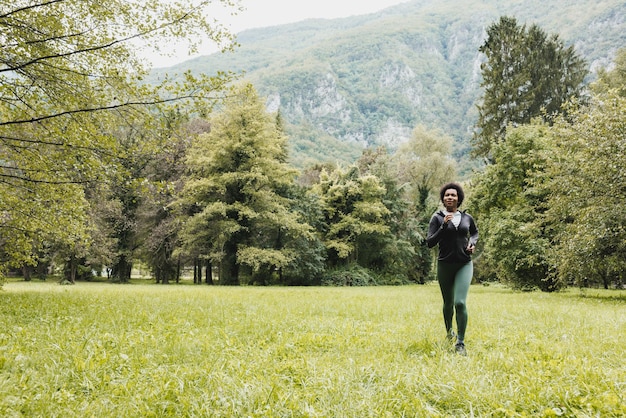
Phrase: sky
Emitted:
{"points": [[263, 13]]}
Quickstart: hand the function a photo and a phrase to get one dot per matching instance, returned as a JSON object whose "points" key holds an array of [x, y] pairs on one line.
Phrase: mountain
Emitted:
{"points": [[344, 84]]}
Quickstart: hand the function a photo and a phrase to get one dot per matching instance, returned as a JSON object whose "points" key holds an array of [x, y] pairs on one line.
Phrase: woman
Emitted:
{"points": [[456, 234]]}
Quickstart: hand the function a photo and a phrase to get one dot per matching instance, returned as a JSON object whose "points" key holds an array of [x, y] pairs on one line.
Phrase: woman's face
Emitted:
{"points": [[451, 199]]}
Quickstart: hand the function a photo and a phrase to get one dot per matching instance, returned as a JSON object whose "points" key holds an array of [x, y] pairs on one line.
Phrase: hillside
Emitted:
{"points": [[344, 84]]}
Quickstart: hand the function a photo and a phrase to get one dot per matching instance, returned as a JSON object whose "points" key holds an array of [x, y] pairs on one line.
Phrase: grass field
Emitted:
{"points": [[145, 350]]}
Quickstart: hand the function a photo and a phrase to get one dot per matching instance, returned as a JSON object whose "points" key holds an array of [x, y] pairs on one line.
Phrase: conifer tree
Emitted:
{"points": [[527, 74], [236, 196]]}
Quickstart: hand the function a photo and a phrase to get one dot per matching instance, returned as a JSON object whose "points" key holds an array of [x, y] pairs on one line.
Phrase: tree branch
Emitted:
{"points": [[97, 109], [33, 181], [136, 35]]}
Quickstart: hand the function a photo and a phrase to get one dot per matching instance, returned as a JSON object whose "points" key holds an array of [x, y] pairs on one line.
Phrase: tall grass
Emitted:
{"points": [[101, 350]]}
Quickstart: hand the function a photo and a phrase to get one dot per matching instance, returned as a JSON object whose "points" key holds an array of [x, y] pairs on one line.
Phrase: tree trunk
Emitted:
{"points": [[26, 272], [43, 269], [121, 270], [73, 271], [229, 270], [69, 272], [209, 272]]}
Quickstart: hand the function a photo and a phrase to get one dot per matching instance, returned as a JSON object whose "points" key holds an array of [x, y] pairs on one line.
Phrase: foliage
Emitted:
{"points": [[235, 202], [546, 203], [395, 257], [588, 190], [353, 209], [70, 76], [348, 275], [309, 264], [157, 225], [146, 350], [424, 163], [421, 166], [368, 221], [526, 74], [612, 79], [34, 216], [509, 200]]}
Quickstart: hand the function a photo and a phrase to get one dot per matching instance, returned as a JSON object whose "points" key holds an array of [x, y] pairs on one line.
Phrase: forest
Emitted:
{"points": [[101, 172]]}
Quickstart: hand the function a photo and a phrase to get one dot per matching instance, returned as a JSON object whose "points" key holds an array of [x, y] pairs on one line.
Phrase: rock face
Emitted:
{"points": [[369, 80]]}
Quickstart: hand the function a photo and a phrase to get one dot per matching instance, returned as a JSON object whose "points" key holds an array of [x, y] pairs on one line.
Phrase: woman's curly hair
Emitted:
{"points": [[456, 186]]}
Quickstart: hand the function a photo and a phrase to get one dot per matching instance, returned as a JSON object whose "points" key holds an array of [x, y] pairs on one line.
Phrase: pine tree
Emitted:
{"points": [[526, 74]]}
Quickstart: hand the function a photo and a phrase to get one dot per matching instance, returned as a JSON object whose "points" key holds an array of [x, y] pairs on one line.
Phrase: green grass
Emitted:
{"points": [[141, 350]]}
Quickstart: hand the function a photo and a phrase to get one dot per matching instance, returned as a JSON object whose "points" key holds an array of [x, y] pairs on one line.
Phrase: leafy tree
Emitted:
{"points": [[308, 267], [527, 74], [124, 187], [102, 243], [510, 198], [69, 72], [353, 210], [236, 196], [588, 188], [614, 78], [423, 164], [32, 216], [123, 227], [545, 203], [157, 226], [399, 256]]}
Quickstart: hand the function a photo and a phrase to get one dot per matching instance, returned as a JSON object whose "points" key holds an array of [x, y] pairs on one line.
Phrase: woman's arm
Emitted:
{"points": [[435, 230], [473, 230]]}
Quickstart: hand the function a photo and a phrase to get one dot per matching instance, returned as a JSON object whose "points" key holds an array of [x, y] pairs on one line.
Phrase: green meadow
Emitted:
{"points": [[145, 350]]}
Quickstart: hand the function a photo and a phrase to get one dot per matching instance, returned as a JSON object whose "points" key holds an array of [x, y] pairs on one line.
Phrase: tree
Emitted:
{"points": [[69, 73], [142, 138], [308, 266], [423, 164], [526, 74], [353, 210], [510, 198], [158, 226], [399, 256], [588, 188], [550, 204], [614, 78], [235, 202]]}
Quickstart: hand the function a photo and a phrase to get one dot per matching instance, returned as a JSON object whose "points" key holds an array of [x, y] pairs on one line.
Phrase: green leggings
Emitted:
{"points": [[454, 281]]}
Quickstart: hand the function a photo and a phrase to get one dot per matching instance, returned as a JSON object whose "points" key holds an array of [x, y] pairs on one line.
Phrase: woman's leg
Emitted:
{"points": [[462, 283], [445, 277]]}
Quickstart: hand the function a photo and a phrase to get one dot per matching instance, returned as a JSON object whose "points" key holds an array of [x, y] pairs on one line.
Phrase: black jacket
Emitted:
{"points": [[452, 240]]}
